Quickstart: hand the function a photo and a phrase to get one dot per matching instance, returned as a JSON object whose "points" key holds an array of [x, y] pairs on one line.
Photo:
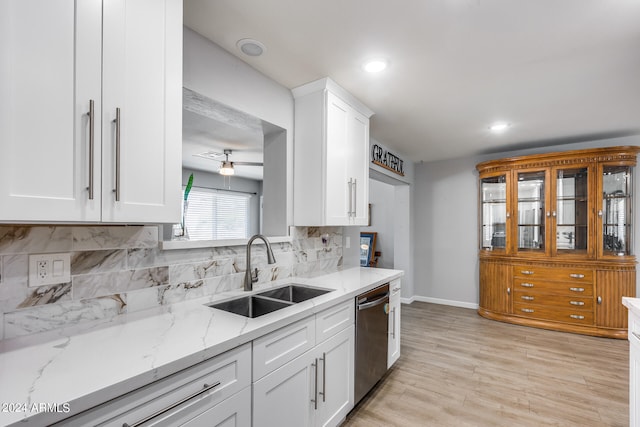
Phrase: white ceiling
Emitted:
{"points": [[556, 70]]}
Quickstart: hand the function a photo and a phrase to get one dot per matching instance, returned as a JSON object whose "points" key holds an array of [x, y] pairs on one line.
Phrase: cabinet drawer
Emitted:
{"points": [[279, 347], [581, 275], [232, 370], [581, 317], [331, 321], [578, 302], [552, 288]]}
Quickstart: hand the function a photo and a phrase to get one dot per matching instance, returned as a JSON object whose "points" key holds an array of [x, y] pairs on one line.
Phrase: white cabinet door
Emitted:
{"points": [[50, 68], [142, 80], [335, 397], [338, 191], [358, 160], [284, 397], [394, 323]]}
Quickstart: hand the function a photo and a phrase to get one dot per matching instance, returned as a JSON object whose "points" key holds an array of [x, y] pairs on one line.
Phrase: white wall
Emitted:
{"points": [[446, 218], [213, 72], [381, 198]]}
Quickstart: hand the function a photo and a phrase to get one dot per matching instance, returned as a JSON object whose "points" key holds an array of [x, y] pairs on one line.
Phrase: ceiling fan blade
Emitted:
{"points": [[247, 164]]}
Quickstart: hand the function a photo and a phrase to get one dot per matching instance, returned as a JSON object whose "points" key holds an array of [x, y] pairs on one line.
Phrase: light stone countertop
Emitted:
{"points": [[84, 369]]}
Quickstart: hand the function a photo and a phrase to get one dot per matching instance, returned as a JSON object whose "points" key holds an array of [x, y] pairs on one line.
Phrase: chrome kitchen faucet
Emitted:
{"points": [[250, 277]]}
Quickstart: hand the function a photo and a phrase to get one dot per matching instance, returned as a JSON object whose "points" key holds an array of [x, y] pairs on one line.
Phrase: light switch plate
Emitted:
{"points": [[49, 269]]}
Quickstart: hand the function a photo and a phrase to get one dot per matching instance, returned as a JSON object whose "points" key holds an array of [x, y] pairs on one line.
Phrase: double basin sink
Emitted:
{"points": [[269, 301]]}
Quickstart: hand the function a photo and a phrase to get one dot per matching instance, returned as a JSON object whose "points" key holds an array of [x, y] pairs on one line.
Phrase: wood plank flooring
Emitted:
{"points": [[459, 369]]}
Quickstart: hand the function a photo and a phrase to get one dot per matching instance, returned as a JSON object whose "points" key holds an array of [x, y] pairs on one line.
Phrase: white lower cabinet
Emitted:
{"points": [[201, 394], [634, 368], [315, 389], [394, 323]]}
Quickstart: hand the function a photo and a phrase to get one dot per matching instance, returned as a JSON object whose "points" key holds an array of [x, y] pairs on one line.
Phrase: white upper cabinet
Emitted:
{"points": [[61, 60], [331, 184]]}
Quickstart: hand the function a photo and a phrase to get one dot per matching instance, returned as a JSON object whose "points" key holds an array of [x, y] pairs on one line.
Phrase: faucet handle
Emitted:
{"points": [[254, 275]]}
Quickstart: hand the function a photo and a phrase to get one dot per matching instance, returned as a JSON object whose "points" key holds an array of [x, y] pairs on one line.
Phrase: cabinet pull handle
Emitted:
{"points": [[526, 272], [553, 214], [117, 122], [577, 289], [91, 115], [576, 316], [324, 377], [206, 388], [527, 310], [350, 211], [508, 215], [508, 291], [527, 298], [548, 214], [315, 386], [393, 330], [600, 213], [599, 300], [576, 302], [355, 197], [527, 285], [577, 276]]}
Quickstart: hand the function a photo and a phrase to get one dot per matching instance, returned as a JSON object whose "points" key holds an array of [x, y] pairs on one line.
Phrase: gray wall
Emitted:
{"points": [[446, 218], [381, 198]]}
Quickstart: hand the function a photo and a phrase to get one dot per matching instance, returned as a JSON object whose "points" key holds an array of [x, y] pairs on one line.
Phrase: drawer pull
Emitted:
{"points": [[527, 298], [576, 316], [527, 285], [527, 310], [206, 388], [577, 276], [576, 302], [527, 272], [577, 289]]}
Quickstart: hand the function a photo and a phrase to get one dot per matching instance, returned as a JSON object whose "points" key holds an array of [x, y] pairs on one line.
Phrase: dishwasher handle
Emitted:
{"points": [[384, 298]]}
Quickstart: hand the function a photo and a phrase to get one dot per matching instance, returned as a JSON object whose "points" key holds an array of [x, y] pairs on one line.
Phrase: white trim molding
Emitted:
{"points": [[440, 301]]}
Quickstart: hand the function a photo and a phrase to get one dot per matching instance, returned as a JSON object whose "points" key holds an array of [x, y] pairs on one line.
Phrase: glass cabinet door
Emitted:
{"points": [[493, 193], [571, 212], [616, 210], [531, 210]]}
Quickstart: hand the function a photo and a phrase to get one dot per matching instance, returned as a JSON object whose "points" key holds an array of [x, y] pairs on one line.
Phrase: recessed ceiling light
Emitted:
{"points": [[251, 47], [375, 65], [499, 127]]}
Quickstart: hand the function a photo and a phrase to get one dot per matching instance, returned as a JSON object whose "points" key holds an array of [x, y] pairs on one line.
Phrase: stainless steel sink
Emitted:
{"points": [[294, 293], [251, 306]]}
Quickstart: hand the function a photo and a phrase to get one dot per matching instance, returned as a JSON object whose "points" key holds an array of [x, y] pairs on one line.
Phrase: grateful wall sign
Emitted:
{"points": [[385, 159]]}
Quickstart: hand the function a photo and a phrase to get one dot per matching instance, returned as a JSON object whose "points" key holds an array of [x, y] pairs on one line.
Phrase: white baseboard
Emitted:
{"points": [[439, 301]]}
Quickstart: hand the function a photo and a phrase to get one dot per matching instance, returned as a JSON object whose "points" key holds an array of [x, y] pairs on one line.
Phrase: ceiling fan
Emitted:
{"points": [[226, 166]]}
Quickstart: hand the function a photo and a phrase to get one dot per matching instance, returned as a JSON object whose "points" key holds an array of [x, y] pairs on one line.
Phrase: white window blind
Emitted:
{"points": [[213, 215]]}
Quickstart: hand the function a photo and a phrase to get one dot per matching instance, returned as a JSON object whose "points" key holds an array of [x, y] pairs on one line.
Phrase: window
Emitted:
{"points": [[217, 215]]}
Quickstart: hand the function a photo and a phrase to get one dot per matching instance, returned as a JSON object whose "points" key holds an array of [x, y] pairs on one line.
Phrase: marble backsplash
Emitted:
{"points": [[119, 270]]}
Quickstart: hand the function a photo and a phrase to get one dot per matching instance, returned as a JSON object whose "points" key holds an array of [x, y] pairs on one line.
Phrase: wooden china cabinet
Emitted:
{"points": [[556, 240]]}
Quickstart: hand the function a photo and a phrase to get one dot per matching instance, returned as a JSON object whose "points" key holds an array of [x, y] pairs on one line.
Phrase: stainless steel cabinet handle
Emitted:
{"points": [[576, 316], [527, 285], [323, 393], [576, 302], [350, 184], [355, 197], [117, 122], [527, 298], [577, 276], [206, 388], [577, 289], [315, 386], [382, 299], [527, 310], [393, 330], [526, 272], [91, 115]]}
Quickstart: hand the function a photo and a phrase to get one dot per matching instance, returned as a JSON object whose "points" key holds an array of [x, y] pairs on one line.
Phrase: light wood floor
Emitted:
{"points": [[459, 369]]}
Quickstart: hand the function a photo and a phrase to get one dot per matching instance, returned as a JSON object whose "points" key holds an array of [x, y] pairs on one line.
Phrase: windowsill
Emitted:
{"points": [[167, 245]]}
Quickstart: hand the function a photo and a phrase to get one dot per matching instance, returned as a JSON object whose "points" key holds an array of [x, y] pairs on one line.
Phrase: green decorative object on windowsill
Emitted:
{"points": [[181, 232]]}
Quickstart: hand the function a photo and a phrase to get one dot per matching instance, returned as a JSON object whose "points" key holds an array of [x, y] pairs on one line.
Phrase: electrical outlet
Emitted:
{"points": [[49, 269]]}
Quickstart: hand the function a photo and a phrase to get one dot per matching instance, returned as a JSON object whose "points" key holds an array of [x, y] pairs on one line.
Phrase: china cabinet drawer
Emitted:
{"points": [[561, 301], [582, 317], [279, 347], [553, 288], [550, 273]]}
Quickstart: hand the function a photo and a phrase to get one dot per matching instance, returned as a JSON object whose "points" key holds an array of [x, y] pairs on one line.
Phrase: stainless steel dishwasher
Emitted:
{"points": [[372, 326]]}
